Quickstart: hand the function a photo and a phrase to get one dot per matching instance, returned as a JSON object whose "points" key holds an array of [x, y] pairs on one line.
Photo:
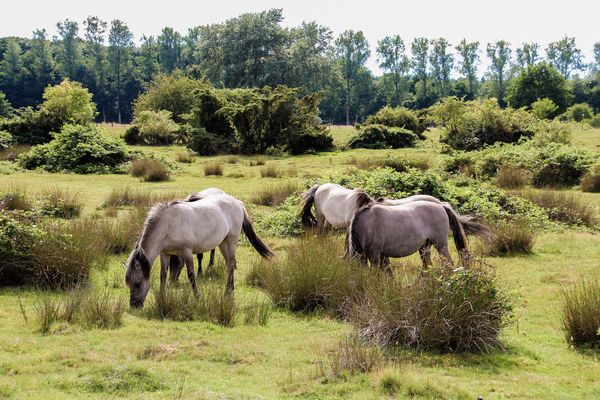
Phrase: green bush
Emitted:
{"points": [[579, 112], [78, 148], [470, 125], [590, 182], [544, 108], [562, 166], [595, 121], [284, 220], [540, 81], [398, 117], [205, 143], [154, 127], [6, 140], [383, 137]]}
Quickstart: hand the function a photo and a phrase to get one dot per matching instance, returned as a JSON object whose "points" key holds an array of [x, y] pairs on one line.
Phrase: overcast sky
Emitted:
{"points": [[513, 20]]}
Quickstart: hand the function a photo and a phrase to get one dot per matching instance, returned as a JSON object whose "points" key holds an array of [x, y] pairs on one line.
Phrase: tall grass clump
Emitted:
{"points": [[257, 162], [150, 170], [270, 171], [15, 198], [184, 157], [565, 207], [581, 312], [509, 177], [62, 203], [213, 169], [313, 276], [47, 313], [180, 304], [276, 194], [351, 356], [513, 237], [450, 311], [257, 312], [119, 234], [127, 196]]}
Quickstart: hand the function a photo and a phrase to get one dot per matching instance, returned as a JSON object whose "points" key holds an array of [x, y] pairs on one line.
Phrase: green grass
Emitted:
{"points": [[288, 357]]}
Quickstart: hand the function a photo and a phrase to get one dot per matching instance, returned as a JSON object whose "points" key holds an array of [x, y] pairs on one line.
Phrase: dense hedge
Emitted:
{"points": [[398, 117], [78, 148], [383, 137]]}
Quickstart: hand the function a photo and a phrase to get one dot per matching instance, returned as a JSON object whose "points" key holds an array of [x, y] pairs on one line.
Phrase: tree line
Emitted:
{"points": [[256, 50]]}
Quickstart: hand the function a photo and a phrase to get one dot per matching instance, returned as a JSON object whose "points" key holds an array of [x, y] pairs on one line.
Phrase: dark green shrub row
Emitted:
{"points": [[399, 117], [383, 137]]}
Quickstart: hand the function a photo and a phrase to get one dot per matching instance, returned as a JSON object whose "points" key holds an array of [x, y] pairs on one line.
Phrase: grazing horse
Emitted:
{"points": [[176, 262], [185, 228], [378, 231]]}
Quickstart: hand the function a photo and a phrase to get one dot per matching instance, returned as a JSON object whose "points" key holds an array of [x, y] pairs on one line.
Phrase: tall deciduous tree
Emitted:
{"points": [[420, 50], [528, 55], [442, 62], [597, 56], [120, 40], [169, 49], [393, 60], [148, 58], [11, 70], [469, 58], [499, 54], [565, 56], [70, 53], [352, 50], [42, 63], [95, 52]]}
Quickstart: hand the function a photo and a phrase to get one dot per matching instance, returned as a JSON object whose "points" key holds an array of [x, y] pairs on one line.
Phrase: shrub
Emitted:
{"points": [[61, 203], [270, 171], [156, 127], [213, 168], [579, 112], [581, 312], [595, 121], [513, 237], [540, 81], [6, 140], [554, 131], [448, 311], [562, 166], [474, 124], [80, 149], [509, 177], [382, 137], [544, 108], [398, 117], [185, 157], [351, 356], [284, 220], [15, 198], [132, 136], [276, 194], [590, 182], [563, 206]]}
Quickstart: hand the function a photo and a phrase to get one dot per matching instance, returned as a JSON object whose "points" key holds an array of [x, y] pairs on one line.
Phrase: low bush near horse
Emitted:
{"points": [[276, 194], [510, 238], [448, 311], [581, 312]]}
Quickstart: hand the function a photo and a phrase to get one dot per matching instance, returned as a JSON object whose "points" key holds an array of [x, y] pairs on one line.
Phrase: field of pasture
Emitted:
{"points": [[291, 355]]}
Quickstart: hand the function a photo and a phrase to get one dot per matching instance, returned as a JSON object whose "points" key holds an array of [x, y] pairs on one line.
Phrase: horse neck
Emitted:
{"points": [[151, 244]]}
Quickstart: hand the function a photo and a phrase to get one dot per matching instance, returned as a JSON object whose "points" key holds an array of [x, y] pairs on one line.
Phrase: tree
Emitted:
{"points": [[528, 55], [420, 50], [597, 56], [95, 53], [169, 49], [189, 53], [352, 50], [148, 58], [68, 102], [499, 54], [42, 63], [540, 81], [5, 107], [469, 58], [120, 40], [441, 65], [565, 56], [390, 52], [69, 56], [12, 72]]}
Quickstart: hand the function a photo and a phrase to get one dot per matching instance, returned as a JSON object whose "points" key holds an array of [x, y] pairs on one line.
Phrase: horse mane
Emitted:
{"points": [[354, 246], [380, 200], [362, 198], [193, 197]]}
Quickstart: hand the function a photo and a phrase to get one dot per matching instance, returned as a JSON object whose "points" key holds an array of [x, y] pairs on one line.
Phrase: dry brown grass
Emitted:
{"points": [[509, 177], [213, 168], [274, 195]]}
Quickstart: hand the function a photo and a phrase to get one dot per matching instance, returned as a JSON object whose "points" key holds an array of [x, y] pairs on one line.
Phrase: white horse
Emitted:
{"points": [[184, 228], [176, 263], [335, 206], [379, 231]]}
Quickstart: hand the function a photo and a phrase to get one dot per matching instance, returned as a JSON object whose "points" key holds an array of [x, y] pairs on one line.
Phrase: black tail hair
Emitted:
{"points": [[308, 199], [472, 226], [262, 249], [460, 240]]}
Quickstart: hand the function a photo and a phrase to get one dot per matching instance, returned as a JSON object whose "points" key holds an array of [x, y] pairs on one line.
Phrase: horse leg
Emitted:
{"points": [[199, 256], [227, 248], [442, 248], [189, 263], [326, 227], [320, 223], [211, 262], [164, 266], [425, 253], [175, 267]]}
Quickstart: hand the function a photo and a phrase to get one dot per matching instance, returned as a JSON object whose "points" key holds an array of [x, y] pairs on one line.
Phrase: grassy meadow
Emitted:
{"points": [[289, 357]]}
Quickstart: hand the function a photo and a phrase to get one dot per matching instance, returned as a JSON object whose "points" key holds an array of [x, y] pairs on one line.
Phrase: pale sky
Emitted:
{"points": [[513, 20]]}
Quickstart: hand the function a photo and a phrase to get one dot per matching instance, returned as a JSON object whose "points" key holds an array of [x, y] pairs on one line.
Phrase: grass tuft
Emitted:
{"points": [[509, 177], [184, 157], [270, 171], [351, 356], [213, 169], [62, 203], [257, 312], [590, 182], [510, 238], [563, 206], [581, 312], [274, 195]]}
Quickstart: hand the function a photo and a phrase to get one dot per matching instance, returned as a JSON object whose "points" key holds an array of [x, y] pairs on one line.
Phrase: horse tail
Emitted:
{"points": [[362, 199], [308, 199], [460, 239], [473, 227], [354, 247], [261, 248]]}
